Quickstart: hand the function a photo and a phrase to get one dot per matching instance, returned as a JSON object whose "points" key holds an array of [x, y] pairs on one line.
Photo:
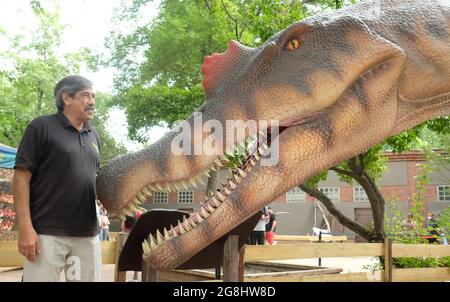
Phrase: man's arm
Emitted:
{"points": [[28, 238], [274, 223]]}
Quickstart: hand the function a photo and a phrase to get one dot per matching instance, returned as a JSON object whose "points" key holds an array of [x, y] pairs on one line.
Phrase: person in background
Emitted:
{"points": [[258, 234], [104, 225], [271, 226]]}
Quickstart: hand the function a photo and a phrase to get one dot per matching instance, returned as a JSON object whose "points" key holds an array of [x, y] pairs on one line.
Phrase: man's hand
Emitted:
{"points": [[29, 243]]}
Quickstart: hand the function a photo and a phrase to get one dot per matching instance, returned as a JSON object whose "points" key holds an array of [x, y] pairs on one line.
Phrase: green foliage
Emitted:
{"points": [[401, 230], [145, 107], [171, 49], [33, 67], [109, 148]]}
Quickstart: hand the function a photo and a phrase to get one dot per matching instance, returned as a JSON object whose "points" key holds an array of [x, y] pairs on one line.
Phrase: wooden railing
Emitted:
{"points": [[10, 257], [388, 250]]}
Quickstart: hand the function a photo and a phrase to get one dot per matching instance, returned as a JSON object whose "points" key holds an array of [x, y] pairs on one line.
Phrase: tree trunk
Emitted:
{"points": [[212, 185], [344, 220], [376, 200]]}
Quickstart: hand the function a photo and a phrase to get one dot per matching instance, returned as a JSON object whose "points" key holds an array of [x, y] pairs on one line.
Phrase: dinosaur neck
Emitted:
{"points": [[411, 114]]}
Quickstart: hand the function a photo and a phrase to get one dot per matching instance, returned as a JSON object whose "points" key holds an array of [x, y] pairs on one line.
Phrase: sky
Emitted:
{"points": [[88, 24]]}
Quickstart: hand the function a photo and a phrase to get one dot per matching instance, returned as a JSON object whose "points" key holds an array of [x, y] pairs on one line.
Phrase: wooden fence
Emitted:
{"points": [[10, 257]]}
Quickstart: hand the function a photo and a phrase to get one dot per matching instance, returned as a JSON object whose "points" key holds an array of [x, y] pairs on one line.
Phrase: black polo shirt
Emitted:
{"points": [[63, 162]]}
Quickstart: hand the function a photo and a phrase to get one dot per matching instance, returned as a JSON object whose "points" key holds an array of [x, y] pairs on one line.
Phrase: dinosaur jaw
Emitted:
{"points": [[170, 247]]}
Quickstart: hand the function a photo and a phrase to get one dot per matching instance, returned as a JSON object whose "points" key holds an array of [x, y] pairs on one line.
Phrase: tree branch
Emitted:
{"points": [[207, 5], [236, 27], [345, 172], [352, 225]]}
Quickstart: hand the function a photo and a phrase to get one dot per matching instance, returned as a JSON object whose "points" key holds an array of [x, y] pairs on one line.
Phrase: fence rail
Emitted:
{"points": [[10, 257]]}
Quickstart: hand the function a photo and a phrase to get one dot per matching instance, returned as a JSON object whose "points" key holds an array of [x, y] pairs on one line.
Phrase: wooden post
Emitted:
{"points": [[148, 273], [231, 259], [241, 263], [120, 276], [387, 260]]}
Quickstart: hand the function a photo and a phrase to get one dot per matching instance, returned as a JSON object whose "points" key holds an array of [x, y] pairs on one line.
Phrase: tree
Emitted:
{"points": [[33, 68]]}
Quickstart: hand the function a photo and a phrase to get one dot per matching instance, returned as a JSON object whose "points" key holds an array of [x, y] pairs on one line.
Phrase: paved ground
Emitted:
{"points": [[348, 264], [15, 275]]}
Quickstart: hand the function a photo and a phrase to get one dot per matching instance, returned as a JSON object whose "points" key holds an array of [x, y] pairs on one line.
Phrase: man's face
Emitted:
{"points": [[82, 104]]}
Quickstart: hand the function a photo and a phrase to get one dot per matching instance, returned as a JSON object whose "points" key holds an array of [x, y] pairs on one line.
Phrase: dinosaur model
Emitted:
{"points": [[338, 84]]}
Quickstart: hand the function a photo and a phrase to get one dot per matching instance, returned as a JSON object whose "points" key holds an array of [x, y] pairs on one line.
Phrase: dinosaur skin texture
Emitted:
{"points": [[338, 83]]}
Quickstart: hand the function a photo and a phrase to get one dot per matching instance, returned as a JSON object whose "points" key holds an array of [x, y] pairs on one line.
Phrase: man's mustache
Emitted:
{"points": [[87, 108]]}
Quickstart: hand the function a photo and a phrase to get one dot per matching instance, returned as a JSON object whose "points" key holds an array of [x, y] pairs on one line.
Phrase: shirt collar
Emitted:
{"points": [[67, 124]]}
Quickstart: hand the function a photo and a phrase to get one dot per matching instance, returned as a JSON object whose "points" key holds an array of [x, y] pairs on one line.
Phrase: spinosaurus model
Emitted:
{"points": [[337, 83]]}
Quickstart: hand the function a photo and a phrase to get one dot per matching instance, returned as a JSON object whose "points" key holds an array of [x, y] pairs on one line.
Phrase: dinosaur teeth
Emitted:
{"points": [[153, 244], [186, 224], [200, 180], [166, 234], [203, 213], [209, 208], [193, 183], [177, 186], [242, 173], [167, 187], [133, 207], [180, 227], [159, 237], [141, 197], [257, 156], [158, 187], [228, 192], [184, 185], [146, 247], [218, 163], [206, 173], [192, 222], [215, 203], [220, 196], [146, 192], [252, 162], [198, 217], [261, 150], [237, 178], [265, 146], [232, 184]]}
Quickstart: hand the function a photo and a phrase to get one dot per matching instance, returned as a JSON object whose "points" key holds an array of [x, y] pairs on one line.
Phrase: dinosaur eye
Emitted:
{"points": [[293, 44]]}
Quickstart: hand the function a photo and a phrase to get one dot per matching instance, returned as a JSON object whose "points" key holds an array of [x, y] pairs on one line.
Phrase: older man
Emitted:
{"points": [[54, 188]]}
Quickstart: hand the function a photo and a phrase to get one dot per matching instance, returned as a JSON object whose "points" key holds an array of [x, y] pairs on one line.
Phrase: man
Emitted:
{"points": [[54, 189], [271, 226], [258, 234]]}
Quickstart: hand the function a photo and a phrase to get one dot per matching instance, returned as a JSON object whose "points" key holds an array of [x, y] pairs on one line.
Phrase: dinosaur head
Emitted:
{"points": [[329, 83]]}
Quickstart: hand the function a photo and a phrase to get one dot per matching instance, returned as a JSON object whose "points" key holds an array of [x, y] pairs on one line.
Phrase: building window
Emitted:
{"points": [[160, 197], [295, 195], [359, 194], [185, 197], [332, 193], [444, 193]]}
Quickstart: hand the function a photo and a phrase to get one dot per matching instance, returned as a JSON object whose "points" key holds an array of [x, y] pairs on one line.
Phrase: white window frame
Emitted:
{"points": [[446, 196], [337, 190], [360, 192], [160, 197], [295, 195], [184, 195]]}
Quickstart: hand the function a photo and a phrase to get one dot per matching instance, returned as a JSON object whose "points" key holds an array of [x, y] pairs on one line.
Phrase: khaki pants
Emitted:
{"points": [[79, 257]]}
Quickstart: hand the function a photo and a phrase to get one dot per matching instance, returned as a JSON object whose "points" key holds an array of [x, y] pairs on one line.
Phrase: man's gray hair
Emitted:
{"points": [[71, 85]]}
